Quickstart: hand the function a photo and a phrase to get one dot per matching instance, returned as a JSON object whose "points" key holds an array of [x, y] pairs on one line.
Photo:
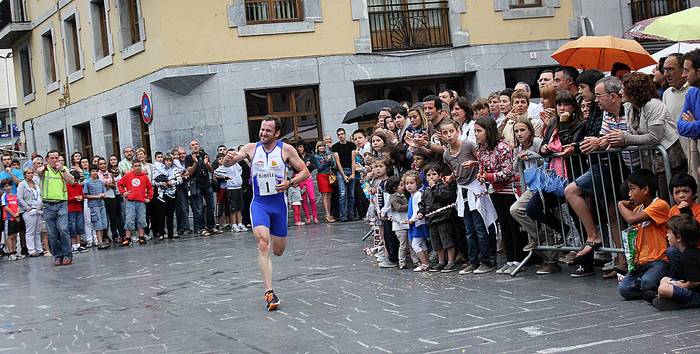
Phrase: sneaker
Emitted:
{"points": [[664, 304], [548, 268], [205, 233], [273, 302], [421, 268], [484, 268], [216, 231], [530, 246], [582, 271], [103, 246], [12, 257], [649, 296], [300, 223], [387, 264], [468, 270], [47, 254], [505, 268], [438, 267], [450, 267], [234, 228], [609, 266], [242, 228], [81, 249]]}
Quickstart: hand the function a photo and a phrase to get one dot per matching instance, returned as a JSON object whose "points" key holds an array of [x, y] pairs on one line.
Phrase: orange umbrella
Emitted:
{"points": [[601, 52]]}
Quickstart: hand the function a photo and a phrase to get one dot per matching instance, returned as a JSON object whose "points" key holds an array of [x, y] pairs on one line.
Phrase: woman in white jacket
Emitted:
{"points": [[29, 198]]}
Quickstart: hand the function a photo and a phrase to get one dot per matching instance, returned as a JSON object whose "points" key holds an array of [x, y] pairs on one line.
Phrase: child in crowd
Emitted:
{"points": [[436, 199], [684, 189], [219, 185], [649, 214], [681, 291], [232, 185], [417, 229], [10, 215], [95, 193], [378, 177], [136, 187], [398, 213], [420, 159], [76, 225], [169, 188], [473, 204], [294, 198]]}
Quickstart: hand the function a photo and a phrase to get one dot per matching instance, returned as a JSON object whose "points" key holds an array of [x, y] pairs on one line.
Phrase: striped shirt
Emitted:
{"points": [[612, 123]]}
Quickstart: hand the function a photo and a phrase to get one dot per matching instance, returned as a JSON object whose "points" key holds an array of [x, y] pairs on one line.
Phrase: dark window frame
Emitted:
{"points": [[268, 7], [291, 113]]}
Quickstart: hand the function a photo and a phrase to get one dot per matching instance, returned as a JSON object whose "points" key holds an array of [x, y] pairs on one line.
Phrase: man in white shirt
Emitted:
{"points": [[674, 97]]}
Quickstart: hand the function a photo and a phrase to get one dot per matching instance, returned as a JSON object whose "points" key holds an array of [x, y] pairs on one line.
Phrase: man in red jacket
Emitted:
{"points": [[136, 187]]}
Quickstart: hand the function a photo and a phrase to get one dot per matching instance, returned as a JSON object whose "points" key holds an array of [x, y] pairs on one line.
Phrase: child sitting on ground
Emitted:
{"points": [[683, 189], [398, 213], [649, 215], [681, 291]]}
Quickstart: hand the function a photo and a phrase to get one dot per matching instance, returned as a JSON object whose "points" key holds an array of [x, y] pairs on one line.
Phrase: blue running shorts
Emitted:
{"points": [[270, 211]]}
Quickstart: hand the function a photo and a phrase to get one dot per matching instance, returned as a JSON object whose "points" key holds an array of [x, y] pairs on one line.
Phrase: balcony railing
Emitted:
{"points": [[644, 9], [409, 26]]}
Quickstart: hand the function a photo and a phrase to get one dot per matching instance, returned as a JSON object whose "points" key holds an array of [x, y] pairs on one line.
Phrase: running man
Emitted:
{"points": [[268, 210]]}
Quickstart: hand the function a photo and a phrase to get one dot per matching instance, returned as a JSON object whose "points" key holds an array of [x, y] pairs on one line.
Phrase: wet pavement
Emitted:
{"points": [[204, 295]]}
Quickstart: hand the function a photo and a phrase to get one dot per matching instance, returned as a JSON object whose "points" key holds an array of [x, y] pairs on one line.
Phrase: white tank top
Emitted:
{"points": [[267, 169]]}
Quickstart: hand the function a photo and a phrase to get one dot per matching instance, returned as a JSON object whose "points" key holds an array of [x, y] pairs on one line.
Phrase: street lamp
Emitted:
{"points": [[9, 102]]}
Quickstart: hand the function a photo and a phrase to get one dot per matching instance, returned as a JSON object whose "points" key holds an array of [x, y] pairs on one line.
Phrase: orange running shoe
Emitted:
{"points": [[273, 302]]}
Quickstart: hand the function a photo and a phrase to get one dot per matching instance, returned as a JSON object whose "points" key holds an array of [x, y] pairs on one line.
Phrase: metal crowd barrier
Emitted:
{"points": [[614, 167]]}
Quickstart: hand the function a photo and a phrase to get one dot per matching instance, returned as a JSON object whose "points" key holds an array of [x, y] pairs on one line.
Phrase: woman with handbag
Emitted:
{"points": [[325, 178]]}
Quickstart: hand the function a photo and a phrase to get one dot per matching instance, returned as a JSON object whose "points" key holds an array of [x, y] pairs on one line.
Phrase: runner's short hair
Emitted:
{"points": [[275, 119]]}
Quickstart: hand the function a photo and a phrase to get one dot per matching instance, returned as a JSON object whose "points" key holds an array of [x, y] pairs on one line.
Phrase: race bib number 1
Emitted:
{"points": [[267, 183]]}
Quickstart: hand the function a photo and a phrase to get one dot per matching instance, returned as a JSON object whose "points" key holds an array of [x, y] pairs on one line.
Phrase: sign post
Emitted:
{"points": [[146, 108]]}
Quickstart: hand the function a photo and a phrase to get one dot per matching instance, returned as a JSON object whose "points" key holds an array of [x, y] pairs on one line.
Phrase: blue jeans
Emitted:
{"points": [[346, 195], [56, 221], [182, 207], [644, 278], [200, 197], [674, 262], [135, 215], [480, 247]]}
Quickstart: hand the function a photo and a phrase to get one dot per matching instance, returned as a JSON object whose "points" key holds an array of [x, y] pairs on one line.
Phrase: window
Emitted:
{"points": [[57, 142], [514, 4], [408, 24], [71, 40], [25, 64], [266, 11], [50, 69], [141, 137], [131, 27], [111, 130], [297, 107], [85, 139], [101, 33]]}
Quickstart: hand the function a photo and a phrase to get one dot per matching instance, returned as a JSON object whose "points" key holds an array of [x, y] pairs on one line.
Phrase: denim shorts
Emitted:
{"points": [[688, 297], [98, 217], [607, 176], [135, 217], [76, 225]]}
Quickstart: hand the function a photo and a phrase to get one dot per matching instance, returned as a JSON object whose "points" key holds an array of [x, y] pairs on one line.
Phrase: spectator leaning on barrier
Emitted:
{"points": [[688, 124], [565, 79], [593, 182], [586, 85], [650, 124]]}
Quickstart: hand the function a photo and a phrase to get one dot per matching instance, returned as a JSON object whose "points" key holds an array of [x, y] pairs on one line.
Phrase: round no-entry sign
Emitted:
{"points": [[146, 108]]}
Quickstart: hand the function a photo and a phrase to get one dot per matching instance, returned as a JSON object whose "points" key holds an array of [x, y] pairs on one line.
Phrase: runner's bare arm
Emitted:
{"points": [[232, 157], [293, 158]]}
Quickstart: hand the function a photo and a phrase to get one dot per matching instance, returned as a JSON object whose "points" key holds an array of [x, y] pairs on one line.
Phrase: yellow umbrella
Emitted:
{"points": [[601, 52], [679, 26]]}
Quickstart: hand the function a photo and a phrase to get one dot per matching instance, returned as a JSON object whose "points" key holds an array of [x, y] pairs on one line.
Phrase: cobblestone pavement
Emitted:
{"points": [[204, 295]]}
